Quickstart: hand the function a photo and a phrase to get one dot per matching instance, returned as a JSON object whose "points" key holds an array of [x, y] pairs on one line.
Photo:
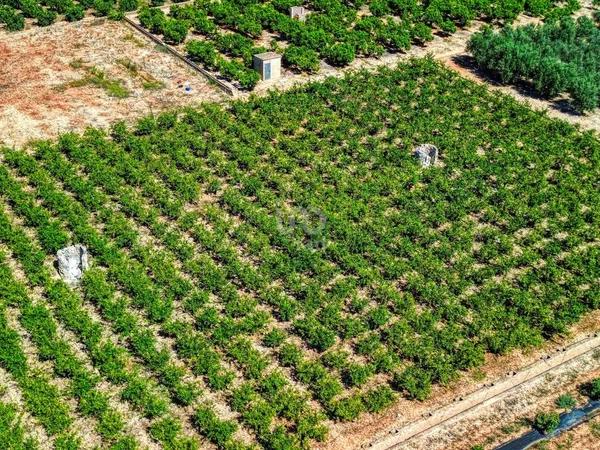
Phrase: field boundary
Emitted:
{"points": [[224, 86], [487, 395]]}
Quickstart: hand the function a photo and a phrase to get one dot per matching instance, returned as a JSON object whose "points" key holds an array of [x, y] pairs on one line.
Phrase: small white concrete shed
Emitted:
{"points": [[268, 65], [298, 12]]}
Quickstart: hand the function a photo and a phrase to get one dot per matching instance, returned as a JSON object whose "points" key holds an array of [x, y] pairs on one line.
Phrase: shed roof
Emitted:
{"points": [[267, 55]]}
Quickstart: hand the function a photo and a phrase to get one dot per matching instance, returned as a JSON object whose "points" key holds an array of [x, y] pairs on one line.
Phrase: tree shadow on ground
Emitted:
{"points": [[524, 88]]}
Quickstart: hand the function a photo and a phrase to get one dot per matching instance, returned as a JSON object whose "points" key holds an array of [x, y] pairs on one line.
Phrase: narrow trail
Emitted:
{"points": [[487, 395]]}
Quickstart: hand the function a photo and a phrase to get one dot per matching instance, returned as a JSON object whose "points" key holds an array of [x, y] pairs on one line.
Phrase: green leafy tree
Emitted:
{"points": [[340, 54], [11, 18], [174, 31], [546, 422], [302, 59]]}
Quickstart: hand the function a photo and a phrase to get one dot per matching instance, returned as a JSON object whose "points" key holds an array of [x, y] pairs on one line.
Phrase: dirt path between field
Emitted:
{"points": [[486, 423], [488, 395]]}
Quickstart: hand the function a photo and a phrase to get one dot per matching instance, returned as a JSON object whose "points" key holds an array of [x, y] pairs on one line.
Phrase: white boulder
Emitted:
{"points": [[427, 154], [72, 262]]}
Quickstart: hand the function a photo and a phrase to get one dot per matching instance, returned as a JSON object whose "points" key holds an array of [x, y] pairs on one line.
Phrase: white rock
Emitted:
{"points": [[427, 154], [299, 13], [72, 262]]}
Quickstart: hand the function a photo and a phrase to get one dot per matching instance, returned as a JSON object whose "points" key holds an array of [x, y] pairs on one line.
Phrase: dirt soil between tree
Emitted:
{"points": [[485, 405]]}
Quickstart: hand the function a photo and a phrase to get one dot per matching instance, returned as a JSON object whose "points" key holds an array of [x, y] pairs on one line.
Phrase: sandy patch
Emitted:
{"points": [[41, 89]]}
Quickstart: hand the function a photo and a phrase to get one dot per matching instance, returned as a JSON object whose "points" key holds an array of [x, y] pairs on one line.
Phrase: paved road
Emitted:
{"points": [[567, 421]]}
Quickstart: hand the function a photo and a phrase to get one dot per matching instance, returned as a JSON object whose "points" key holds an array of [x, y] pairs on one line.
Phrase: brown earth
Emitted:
{"points": [[41, 96], [41, 73]]}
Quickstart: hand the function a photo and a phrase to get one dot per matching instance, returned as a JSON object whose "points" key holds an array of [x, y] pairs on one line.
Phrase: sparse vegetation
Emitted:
{"points": [[566, 401], [98, 78]]}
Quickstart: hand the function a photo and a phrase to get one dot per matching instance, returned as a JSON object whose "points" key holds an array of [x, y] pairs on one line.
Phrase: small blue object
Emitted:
{"points": [[188, 89]]}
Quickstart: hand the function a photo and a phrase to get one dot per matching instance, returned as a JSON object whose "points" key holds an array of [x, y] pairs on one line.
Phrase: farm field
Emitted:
{"points": [[559, 57], [224, 35], [43, 92], [267, 270], [584, 437]]}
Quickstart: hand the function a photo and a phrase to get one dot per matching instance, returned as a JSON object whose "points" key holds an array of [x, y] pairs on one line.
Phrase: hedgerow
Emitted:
{"points": [[557, 57]]}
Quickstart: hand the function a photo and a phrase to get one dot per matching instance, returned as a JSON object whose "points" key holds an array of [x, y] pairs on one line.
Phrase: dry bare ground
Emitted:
{"points": [[42, 72]]}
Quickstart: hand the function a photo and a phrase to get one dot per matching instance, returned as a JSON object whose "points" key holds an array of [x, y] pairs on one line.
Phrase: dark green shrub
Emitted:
{"points": [[556, 57], [153, 19], [12, 432], [546, 422], [45, 17], [165, 430], [216, 430], [128, 5], [75, 13], [357, 374], [302, 59], [379, 398], [103, 7], [414, 382], [565, 401], [340, 54], [248, 79], [110, 425], [592, 389], [174, 31], [203, 52], [348, 408], [274, 338], [11, 18]]}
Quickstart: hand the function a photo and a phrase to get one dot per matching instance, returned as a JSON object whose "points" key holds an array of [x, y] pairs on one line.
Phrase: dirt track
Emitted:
{"points": [[488, 395]]}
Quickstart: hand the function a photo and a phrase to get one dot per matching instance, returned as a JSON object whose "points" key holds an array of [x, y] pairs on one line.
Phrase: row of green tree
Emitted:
{"points": [[558, 57], [45, 12], [334, 30]]}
